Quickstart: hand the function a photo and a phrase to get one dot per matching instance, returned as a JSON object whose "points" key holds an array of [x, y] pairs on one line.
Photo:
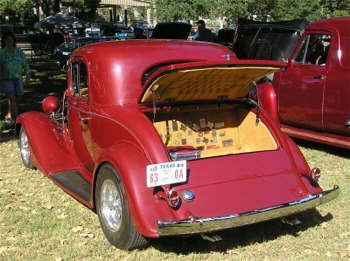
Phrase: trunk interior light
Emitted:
{"points": [[315, 174], [173, 199]]}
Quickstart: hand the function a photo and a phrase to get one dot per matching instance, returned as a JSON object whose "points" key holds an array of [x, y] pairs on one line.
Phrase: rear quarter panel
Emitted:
{"points": [[129, 143]]}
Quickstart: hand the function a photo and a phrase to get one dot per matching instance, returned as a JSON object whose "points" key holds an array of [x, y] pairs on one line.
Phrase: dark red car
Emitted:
{"points": [[314, 91], [160, 138]]}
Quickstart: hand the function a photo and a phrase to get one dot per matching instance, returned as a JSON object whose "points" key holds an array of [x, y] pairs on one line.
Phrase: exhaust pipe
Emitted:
{"points": [[211, 238], [291, 221]]}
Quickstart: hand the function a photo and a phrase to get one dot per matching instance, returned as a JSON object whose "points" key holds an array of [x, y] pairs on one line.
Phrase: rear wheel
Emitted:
{"points": [[113, 212], [24, 147]]}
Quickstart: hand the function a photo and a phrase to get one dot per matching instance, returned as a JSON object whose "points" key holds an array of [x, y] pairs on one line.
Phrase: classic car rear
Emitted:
{"points": [[227, 141], [161, 137]]}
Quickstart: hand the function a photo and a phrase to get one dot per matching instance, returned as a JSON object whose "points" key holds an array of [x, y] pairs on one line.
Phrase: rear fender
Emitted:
{"points": [[302, 166], [145, 209], [268, 100], [46, 142]]}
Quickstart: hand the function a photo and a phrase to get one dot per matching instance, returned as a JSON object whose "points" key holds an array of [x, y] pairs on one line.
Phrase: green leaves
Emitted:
{"points": [[263, 10], [192, 10], [12, 6], [16, 7]]}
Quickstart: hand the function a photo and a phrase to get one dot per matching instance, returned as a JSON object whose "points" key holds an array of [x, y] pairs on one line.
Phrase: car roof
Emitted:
{"points": [[118, 68], [340, 24]]}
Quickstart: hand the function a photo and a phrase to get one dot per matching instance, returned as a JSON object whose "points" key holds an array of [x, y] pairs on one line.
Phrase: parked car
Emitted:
{"points": [[171, 30], [225, 37], [267, 40], [63, 51], [314, 91], [161, 138]]}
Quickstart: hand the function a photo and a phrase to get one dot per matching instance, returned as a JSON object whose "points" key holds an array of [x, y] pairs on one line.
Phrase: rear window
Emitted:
{"points": [[345, 52], [154, 68]]}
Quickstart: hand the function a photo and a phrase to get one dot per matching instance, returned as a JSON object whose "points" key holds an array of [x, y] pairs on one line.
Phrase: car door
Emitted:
{"points": [[302, 85], [79, 114], [337, 93]]}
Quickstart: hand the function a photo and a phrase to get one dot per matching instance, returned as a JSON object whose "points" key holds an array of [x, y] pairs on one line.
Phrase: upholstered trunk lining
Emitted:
{"points": [[214, 130]]}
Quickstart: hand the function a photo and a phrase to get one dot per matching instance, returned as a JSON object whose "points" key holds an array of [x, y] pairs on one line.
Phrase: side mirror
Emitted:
{"points": [[50, 104]]}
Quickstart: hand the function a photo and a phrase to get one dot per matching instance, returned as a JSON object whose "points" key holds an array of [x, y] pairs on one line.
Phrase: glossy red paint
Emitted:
{"points": [[314, 99], [50, 104], [103, 122], [268, 99]]}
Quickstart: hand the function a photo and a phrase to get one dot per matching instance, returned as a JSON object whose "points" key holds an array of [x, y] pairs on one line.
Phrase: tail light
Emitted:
{"points": [[173, 199], [315, 174]]}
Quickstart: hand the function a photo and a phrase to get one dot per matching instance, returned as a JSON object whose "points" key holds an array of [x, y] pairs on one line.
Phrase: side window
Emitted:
{"points": [[80, 79], [314, 50]]}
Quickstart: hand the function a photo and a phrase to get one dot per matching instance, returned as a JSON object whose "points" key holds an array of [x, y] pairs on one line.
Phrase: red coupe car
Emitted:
{"points": [[162, 138]]}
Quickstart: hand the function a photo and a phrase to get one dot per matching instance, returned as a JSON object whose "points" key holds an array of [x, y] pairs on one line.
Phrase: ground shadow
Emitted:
{"points": [[240, 237], [344, 153], [47, 79], [7, 134]]}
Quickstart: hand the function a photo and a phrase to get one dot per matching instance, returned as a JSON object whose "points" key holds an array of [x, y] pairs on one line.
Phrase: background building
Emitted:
{"points": [[123, 10]]}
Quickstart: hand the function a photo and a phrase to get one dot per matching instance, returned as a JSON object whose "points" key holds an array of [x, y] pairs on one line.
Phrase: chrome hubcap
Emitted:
{"points": [[25, 151], [110, 202]]}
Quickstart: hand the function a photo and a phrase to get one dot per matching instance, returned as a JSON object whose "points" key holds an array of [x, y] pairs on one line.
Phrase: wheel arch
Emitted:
{"points": [[130, 163]]}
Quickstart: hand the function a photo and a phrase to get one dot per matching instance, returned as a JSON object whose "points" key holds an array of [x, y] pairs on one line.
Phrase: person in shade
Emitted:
{"points": [[13, 65], [203, 33]]}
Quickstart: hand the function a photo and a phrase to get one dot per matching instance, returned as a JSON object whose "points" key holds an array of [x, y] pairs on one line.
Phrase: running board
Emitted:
{"points": [[322, 137], [74, 182]]}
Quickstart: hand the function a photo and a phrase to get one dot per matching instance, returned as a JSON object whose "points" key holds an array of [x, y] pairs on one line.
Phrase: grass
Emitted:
{"points": [[38, 221]]}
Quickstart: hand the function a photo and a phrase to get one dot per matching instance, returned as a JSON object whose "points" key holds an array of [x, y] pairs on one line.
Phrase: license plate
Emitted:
{"points": [[166, 173]]}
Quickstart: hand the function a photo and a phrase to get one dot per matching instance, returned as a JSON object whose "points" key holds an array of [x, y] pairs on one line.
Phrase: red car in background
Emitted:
{"points": [[161, 138], [314, 91]]}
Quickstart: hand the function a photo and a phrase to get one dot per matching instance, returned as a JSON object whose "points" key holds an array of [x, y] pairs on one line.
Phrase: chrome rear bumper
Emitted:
{"points": [[202, 225]]}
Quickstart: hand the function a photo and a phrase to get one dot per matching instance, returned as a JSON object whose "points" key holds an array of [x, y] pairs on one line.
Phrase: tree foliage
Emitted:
{"points": [[186, 10], [86, 8], [231, 9], [334, 8], [12, 6], [295, 9], [49, 7], [173, 10], [263, 10]]}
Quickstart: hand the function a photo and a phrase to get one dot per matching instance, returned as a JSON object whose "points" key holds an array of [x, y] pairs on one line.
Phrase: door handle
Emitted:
{"points": [[347, 124], [319, 77]]}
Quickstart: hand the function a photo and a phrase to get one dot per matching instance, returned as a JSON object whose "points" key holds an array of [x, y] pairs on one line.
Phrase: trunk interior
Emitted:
{"points": [[209, 130]]}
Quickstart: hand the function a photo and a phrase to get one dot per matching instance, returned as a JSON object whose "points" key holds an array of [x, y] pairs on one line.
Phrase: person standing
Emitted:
{"points": [[203, 33], [13, 65]]}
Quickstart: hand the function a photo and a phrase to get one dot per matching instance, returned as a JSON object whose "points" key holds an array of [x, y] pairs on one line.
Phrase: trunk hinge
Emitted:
{"points": [[257, 104], [154, 104]]}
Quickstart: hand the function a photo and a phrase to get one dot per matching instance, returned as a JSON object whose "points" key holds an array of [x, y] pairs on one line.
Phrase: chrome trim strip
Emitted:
{"points": [[202, 225]]}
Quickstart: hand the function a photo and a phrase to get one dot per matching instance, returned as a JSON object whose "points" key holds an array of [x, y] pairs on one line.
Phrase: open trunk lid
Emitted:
{"points": [[202, 81]]}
